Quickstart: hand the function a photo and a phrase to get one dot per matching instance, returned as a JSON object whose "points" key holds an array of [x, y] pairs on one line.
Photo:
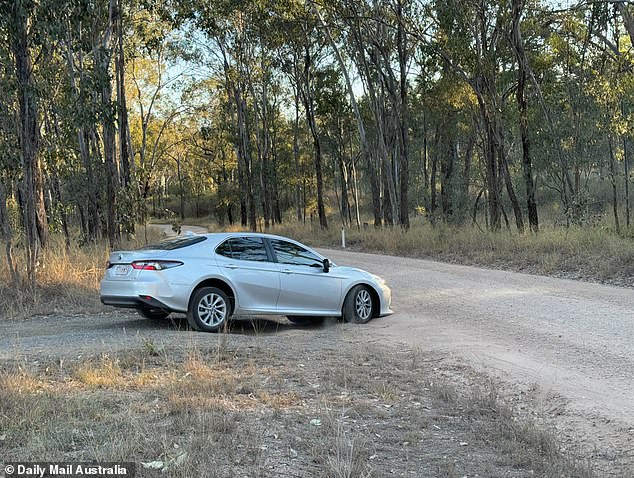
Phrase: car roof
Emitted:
{"points": [[215, 238], [224, 235], [218, 237]]}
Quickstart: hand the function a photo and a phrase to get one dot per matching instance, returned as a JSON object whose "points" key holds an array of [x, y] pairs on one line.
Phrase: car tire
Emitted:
{"points": [[209, 309], [304, 320], [359, 305], [154, 314]]}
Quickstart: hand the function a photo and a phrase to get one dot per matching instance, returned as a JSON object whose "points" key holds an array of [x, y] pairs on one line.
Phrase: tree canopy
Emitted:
{"points": [[483, 112]]}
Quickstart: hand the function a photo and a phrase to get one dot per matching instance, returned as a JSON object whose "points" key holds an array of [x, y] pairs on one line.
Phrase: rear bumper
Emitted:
{"points": [[133, 302]]}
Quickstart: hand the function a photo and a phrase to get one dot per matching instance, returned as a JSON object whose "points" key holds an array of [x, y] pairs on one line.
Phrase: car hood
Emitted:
{"points": [[345, 271]]}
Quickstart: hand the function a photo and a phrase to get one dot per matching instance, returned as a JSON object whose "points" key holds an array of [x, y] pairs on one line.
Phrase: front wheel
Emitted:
{"points": [[209, 309], [154, 314], [359, 305]]}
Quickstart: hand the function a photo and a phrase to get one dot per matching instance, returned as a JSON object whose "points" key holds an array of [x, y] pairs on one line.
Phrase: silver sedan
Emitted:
{"points": [[211, 277]]}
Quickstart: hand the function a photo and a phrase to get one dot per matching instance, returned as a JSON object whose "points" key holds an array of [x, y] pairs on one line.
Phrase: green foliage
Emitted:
{"points": [[215, 95]]}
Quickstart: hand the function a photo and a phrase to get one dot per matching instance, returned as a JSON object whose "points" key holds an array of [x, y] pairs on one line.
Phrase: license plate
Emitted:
{"points": [[121, 270]]}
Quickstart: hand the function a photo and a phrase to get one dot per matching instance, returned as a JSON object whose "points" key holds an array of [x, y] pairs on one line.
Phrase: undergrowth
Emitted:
{"points": [[67, 279]]}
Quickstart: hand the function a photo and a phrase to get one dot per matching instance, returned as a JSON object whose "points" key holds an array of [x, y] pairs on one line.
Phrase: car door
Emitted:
{"points": [[247, 263], [304, 286]]}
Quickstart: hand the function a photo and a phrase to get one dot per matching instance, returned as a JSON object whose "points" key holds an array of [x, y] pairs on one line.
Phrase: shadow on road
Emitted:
{"points": [[239, 326]]}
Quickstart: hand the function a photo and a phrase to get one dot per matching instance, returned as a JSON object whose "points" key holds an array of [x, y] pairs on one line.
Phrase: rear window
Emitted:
{"points": [[173, 244]]}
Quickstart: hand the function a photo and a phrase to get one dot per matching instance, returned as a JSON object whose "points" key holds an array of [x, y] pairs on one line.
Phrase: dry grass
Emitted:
{"points": [[68, 280], [247, 412]]}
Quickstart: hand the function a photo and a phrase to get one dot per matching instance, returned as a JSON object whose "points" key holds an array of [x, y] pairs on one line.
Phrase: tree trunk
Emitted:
{"points": [[246, 155], [343, 173], [522, 106], [491, 158], [425, 167], [432, 180], [517, 211], [103, 56], [262, 143], [404, 118], [626, 171], [7, 234], [239, 145], [615, 197], [122, 111], [388, 194], [93, 223], [181, 188], [31, 188], [375, 187], [312, 125], [447, 193], [298, 191], [628, 18]]}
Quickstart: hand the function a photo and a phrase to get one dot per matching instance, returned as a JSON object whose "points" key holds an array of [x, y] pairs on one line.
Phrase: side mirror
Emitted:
{"points": [[326, 265]]}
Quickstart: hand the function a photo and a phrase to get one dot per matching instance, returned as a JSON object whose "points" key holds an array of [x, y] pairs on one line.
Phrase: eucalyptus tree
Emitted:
{"points": [[9, 154], [471, 40], [312, 50], [521, 57], [229, 28], [157, 110], [23, 31], [381, 50]]}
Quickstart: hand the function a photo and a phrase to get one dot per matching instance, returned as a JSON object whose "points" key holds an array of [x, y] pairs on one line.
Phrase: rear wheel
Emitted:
{"points": [[209, 309], [359, 305], [154, 314]]}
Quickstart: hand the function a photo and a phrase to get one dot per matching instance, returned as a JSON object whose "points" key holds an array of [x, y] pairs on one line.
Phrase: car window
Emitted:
{"points": [[174, 244], [244, 249], [224, 249], [289, 253]]}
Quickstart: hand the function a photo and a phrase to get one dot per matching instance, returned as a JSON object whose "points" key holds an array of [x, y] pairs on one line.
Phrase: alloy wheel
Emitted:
{"points": [[363, 304], [212, 310]]}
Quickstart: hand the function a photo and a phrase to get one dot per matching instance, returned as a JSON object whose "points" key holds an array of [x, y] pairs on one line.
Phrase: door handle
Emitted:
{"points": [[231, 266], [286, 271]]}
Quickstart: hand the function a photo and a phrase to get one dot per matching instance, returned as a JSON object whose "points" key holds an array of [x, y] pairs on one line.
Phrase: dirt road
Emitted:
{"points": [[574, 338], [570, 342]]}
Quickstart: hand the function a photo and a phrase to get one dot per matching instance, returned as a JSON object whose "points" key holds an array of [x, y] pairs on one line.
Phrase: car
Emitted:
{"points": [[213, 277]]}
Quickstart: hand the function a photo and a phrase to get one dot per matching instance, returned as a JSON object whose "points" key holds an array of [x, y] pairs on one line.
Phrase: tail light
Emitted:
{"points": [[155, 265]]}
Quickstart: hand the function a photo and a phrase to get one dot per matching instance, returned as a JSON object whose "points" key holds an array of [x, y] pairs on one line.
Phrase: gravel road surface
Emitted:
{"points": [[572, 342]]}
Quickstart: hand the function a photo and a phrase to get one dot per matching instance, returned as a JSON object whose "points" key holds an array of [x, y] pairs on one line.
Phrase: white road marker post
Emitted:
{"points": [[343, 237]]}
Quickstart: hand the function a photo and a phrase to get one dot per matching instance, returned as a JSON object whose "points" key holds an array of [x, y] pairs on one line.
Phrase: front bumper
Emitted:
{"points": [[385, 294]]}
